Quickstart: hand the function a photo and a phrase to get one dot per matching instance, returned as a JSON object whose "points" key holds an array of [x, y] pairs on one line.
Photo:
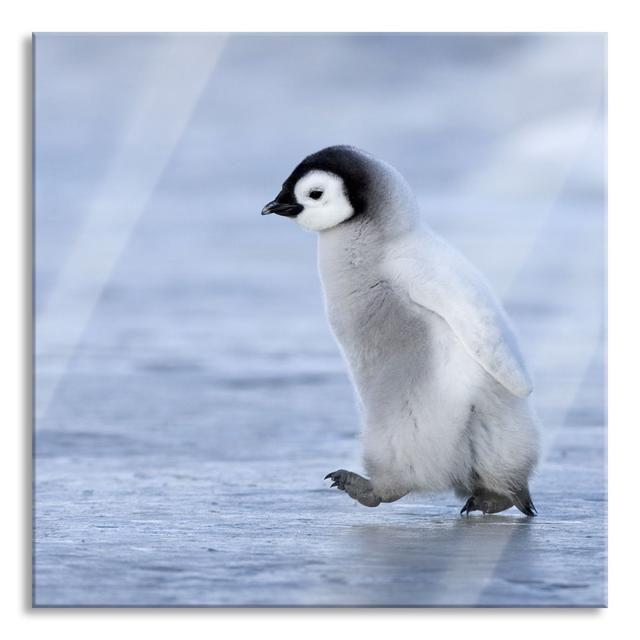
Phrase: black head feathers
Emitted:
{"points": [[344, 161]]}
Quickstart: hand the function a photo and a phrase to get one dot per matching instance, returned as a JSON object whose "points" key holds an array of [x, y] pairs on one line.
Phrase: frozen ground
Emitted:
{"points": [[189, 396]]}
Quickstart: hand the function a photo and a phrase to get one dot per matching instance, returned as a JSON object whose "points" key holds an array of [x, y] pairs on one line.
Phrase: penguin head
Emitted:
{"points": [[326, 189]]}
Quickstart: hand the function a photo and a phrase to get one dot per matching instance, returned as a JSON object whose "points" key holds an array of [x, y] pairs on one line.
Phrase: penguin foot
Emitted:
{"points": [[489, 502], [469, 506], [525, 504], [356, 486]]}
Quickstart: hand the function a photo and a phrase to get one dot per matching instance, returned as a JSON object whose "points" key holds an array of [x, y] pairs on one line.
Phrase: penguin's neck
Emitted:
{"points": [[354, 247], [354, 250], [350, 255]]}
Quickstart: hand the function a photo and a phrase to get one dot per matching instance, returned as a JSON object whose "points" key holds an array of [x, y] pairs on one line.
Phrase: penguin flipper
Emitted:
{"points": [[440, 280]]}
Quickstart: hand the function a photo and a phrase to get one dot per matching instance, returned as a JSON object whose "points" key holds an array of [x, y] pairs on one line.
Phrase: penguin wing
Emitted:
{"points": [[442, 281]]}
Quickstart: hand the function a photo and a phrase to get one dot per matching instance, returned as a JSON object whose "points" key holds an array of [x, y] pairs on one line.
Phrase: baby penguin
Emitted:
{"points": [[441, 384]]}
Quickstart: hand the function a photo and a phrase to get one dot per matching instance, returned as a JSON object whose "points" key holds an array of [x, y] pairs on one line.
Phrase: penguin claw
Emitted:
{"points": [[339, 478], [524, 503], [469, 506], [528, 508], [356, 487]]}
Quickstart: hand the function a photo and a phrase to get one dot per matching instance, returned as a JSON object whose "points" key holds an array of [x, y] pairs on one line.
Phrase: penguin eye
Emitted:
{"points": [[316, 194]]}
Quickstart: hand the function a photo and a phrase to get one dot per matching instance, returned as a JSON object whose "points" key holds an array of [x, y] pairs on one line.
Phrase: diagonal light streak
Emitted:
{"points": [[167, 99], [460, 585]]}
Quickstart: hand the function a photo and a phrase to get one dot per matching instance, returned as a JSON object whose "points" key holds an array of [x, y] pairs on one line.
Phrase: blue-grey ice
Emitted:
{"points": [[189, 396]]}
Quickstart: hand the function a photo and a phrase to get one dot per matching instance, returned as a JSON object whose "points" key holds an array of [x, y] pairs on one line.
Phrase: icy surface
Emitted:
{"points": [[189, 395]]}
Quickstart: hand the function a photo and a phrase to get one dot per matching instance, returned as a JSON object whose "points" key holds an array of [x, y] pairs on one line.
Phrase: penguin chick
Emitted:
{"points": [[442, 386]]}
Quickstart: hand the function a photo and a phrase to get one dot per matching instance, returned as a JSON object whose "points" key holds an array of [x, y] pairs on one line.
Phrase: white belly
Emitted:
{"points": [[415, 382]]}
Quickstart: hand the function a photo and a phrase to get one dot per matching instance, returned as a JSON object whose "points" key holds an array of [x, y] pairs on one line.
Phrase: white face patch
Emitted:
{"points": [[324, 199]]}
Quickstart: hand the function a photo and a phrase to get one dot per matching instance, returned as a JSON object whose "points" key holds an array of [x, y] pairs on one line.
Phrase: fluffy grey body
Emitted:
{"points": [[440, 382]]}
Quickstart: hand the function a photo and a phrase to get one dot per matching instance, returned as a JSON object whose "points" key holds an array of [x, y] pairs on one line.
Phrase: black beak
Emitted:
{"points": [[282, 209]]}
